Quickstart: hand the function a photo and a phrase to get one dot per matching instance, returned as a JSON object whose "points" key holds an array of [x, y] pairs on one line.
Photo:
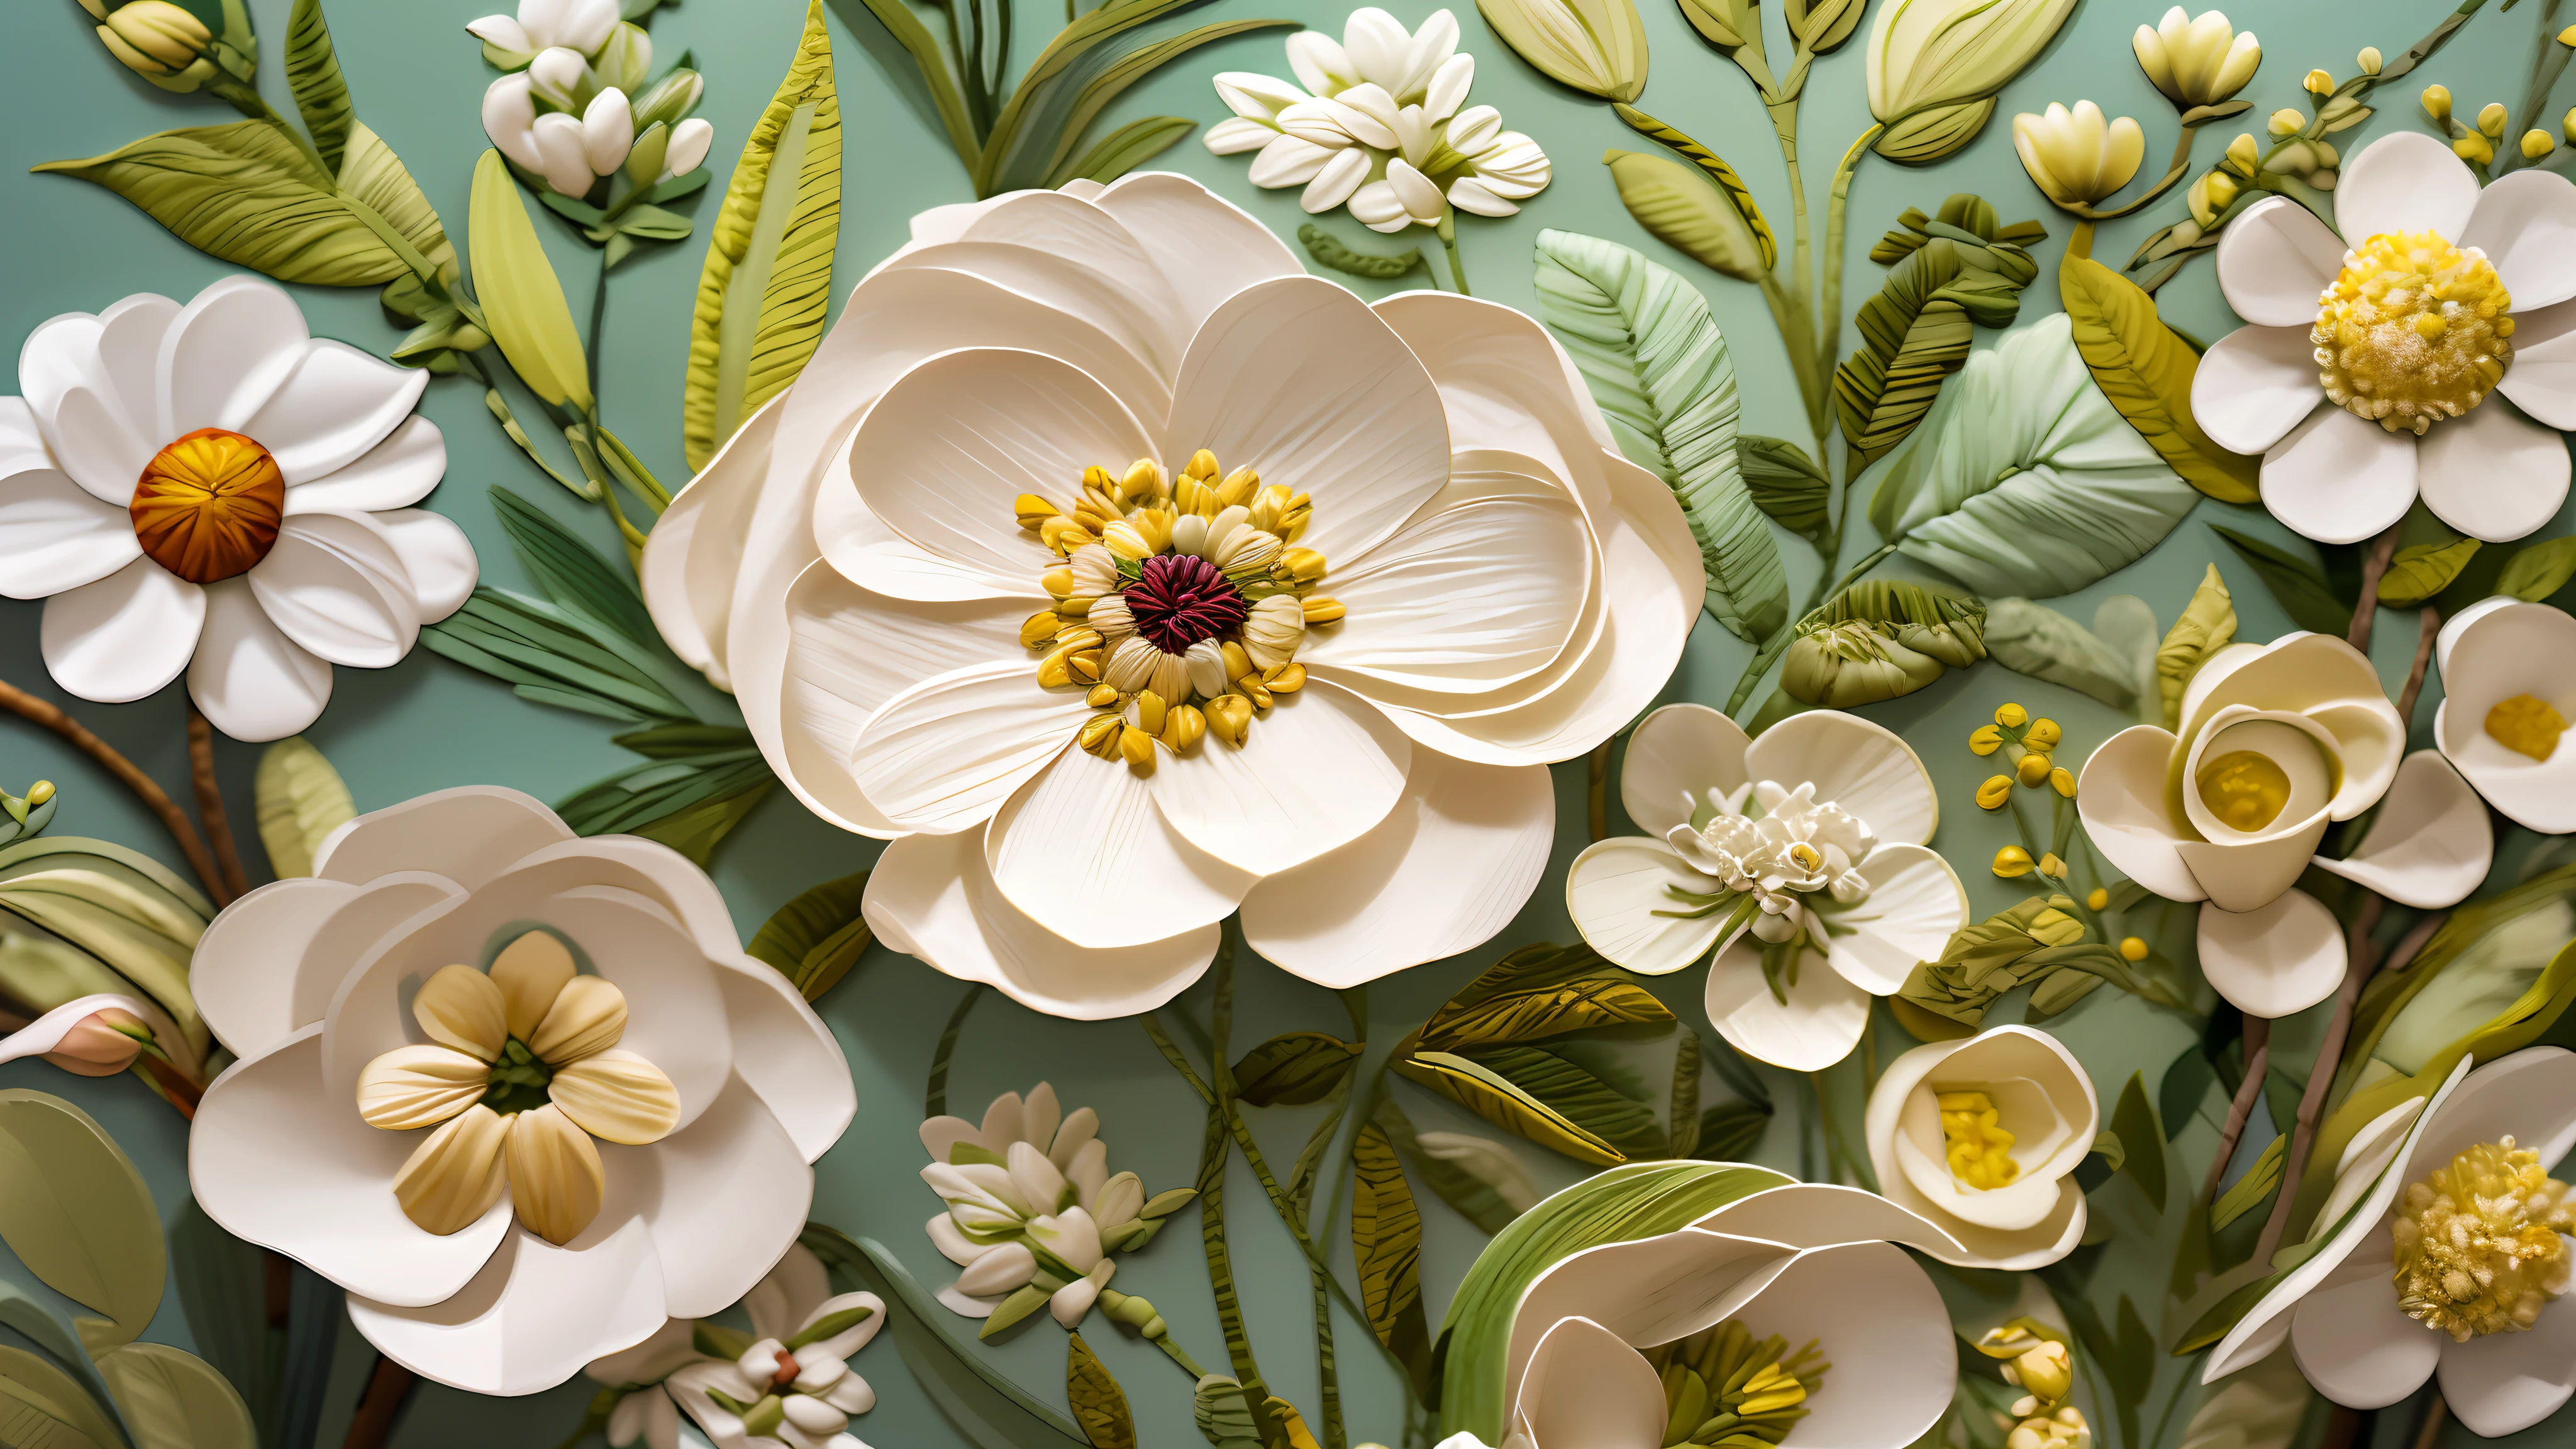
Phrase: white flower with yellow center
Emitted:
{"points": [[2507, 699], [211, 489], [420, 1131], [2444, 1251], [1798, 857], [891, 567], [2424, 352], [1982, 1136]]}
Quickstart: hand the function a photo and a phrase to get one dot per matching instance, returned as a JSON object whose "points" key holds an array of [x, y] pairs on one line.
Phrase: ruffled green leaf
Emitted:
{"points": [[1964, 273], [1880, 639]]}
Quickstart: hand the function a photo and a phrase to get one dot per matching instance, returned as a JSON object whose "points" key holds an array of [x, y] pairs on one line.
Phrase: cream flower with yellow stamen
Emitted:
{"points": [[1982, 1136], [2507, 701]]}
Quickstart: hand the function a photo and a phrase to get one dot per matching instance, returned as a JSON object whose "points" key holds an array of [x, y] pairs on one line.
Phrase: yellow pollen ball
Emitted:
{"points": [[2412, 330], [2526, 725], [1979, 1150], [2098, 899], [2244, 789], [1995, 793], [2477, 1242], [2033, 769], [2131, 947]]}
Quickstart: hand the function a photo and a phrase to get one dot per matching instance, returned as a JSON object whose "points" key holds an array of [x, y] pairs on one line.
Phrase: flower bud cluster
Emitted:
{"points": [[575, 105]]}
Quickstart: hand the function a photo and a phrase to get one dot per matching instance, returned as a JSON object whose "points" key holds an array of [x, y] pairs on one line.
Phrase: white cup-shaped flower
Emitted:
{"points": [[582, 26], [2196, 60], [2075, 157], [1982, 1136], [2506, 704]]}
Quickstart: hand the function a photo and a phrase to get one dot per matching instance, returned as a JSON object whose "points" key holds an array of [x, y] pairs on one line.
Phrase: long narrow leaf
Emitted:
{"points": [[1123, 150], [572, 573], [1037, 86], [1135, 65], [313, 74]]}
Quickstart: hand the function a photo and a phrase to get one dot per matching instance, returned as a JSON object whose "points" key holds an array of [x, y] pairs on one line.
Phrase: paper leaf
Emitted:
{"points": [[175, 1400], [2420, 571], [301, 801], [2261, 1407], [521, 298], [1578, 1093], [2036, 640], [1224, 1419], [2298, 586], [572, 573], [2535, 571], [221, 1283], [2146, 371], [372, 175], [768, 274], [1785, 483], [1128, 147], [555, 656], [75, 1211], [1386, 1242], [1595, 46], [122, 907], [1684, 209], [1729, 1131], [313, 74], [1481, 1090], [816, 938], [1714, 167], [1526, 1016], [1916, 331], [41, 1405], [43, 974], [1105, 83], [1099, 1405], [1473, 1194], [1293, 1069], [1329, 252], [2207, 625], [2253, 1189], [2134, 1119], [1656, 363]]}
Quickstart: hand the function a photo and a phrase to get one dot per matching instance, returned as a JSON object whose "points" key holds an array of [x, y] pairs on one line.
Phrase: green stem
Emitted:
{"points": [[1869, 561], [934, 1100], [1837, 203], [1449, 243]]}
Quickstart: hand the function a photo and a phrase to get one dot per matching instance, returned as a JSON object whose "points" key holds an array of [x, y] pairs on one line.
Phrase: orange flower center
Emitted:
{"points": [[208, 505]]}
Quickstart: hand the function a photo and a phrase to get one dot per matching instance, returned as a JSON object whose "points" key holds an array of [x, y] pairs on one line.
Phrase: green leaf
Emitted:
{"points": [[2186, 1081], [1293, 1069], [2036, 640], [40, 975], [313, 74], [1224, 1419], [2261, 1407], [1714, 167], [1386, 1243], [1481, 1090], [1595, 46], [816, 938], [175, 1400], [2134, 1119], [1785, 483], [122, 907], [1012, 156], [42, 1407], [2026, 480], [301, 800], [2253, 1189], [521, 298], [689, 798], [374, 177], [75, 1211], [1099, 1405], [2107, 1146], [2146, 371], [931, 65], [2538, 570], [1656, 363], [1686, 210], [1105, 85], [556, 656], [2207, 625], [571, 572], [2298, 586], [1128, 147], [2419, 572], [221, 1282], [1328, 251], [1880, 639], [1526, 1016], [1579, 1095], [768, 275], [1729, 1131], [1917, 330]]}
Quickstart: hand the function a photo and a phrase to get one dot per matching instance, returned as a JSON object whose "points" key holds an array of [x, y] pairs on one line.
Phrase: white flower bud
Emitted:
{"points": [[689, 142], [1274, 630], [607, 131], [559, 75]]}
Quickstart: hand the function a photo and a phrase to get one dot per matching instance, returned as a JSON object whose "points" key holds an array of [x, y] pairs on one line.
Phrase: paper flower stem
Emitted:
{"points": [[210, 801], [2258, 1062], [2374, 567], [934, 1101], [2363, 958], [154, 798]]}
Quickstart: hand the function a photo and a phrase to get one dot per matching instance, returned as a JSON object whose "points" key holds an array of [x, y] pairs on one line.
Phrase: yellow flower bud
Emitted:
{"points": [[2051, 866], [1078, 637], [2369, 60], [2491, 121], [1138, 747], [1076, 606], [2318, 83], [155, 37], [1102, 696], [1057, 582], [2062, 781], [1063, 534], [1040, 627], [2033, 769], [2132, 949], [1302, 564], [555, 1177], [2042, 735], [1055, 671], [2011, 716], [2286, 122], [1237, 663], [2437, 102], [1238, 488], [40, 792], [1183, 725], [2536, 144], [1986, 739], [2566, 127], [2099, 899], [2210, 195], [2046, 1371], [2012, 861], [2244, 153], [1251, 688], [2474, 149], [1083, 668], [1202, 466], [1320, 610], [1229, 717], [2567, 36], [1286, 679], [1149, 712], [1033, 510], [2078, 157], [1144, 480], [1153, 523], [1995, 793], [1099, 735]]}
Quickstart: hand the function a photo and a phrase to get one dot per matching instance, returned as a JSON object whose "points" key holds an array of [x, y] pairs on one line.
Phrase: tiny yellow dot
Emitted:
{"points": [[2133, 949]]}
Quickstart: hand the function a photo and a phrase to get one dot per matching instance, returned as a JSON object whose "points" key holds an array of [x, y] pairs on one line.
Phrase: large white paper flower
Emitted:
{"points": [[211, 488], [1377, 125], [1799, 856], [2365, 377], [312, 980], [2446, 1253], [853, 563], [2508, 694], [1982, 1136], [2278, 742]]}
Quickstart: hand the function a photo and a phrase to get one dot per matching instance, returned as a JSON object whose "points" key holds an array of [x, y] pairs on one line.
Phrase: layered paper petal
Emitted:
{"points": [[1680, 750], [1858, 765], [2429, 846], [1816, 1026], [2275, 960], [2509, 650], [1626, 895]]}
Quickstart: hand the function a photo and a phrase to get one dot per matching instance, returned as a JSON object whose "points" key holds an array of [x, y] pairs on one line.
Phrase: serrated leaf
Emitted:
{"points": [[301, 800], [1128, 147], [816, 938], [44, 1408], [2134, 1119], [2422, 570], [1685, 210], [176, 1400], [1386, 1242], [1099, 1405], [2298, 586], [2253, 1189], [1489, 1095], [1293, 1068], [313, 74], [768, 275], [1714, 167], [2146, 372], [1328, 251], [75, 1211], [522, 300], [1656, 363], [1526, 1016], [1785, 483], [2538, 570]]}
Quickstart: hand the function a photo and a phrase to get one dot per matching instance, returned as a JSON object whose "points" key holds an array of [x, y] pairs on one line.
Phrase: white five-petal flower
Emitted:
{"points": [[794, 1385]]}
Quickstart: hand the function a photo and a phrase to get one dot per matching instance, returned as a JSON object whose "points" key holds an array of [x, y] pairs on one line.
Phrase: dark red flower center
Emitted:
{"points": [[1182, 599]]}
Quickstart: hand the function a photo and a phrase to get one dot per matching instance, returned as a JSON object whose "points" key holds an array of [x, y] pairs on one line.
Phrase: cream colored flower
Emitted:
{"points": [[2073, 156], [574, 101], [793, 1385], [2506, 705], [2197, 60], [1982, 1137]]}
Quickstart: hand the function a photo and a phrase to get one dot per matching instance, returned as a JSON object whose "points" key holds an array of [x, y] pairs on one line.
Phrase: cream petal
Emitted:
{"points": [[675, 1001], [2514, 649], [860, 546], [1319, 769], [690, 560], [1447, 869], [1651, 1290], [530, 973], [1206, 247], [128, 355], [2530, 1094], [437, 559], [2324, 678], [1883, 1322], [2504, 1383], [2338, 479], [1680, 749], [1300, 380], [125, 636], [556, 1180], [1816, 1027], [2042, 1237], [2526, 224], [2353, 1344], [2542, 380], [2256, 383], [253, 682], [420, 1086], [100, 437], [2121, 797], [333, 408], [531, 1318], [335, 584], [2274, 961], [2492, 474], [931, 896], [944, 754], [2458, 624], [469, 834], [722, 1196], [787, 1055], [1587, 1389], [1817, 1214], [1862, 767], [2243, 871], [1915, 902], [1132, 292], [617, 1096], [225, 354], [2273, 260], [2367, 1155], [246, 964], [2429, 846], [57, 537], [1072, 845], [1238, 134], [1616, 890], [1285, 160], [2404, 182]]}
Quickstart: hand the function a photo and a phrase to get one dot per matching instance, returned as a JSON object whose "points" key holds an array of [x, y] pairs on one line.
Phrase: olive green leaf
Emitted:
{"points": [[122, 907], [75, 1211], [1785, 483], [1686, 210], [1224, 1419], [2538, 570], [301, 800], [1452, 1177], [1100, 85], [1571, 1084], [2419, 571], [1125, 149], [1732, 186], [1328, 251], [696, 783], [1655, 361], [1099, 1405], [1596, 46], [45, 1408], [816, 938], [2207, 625], [1964, 273], [768, 274], [1386, 1241], [374, 177], [2252, 1190], [2134, 1119], [2036, 640], [39, 974], [1534, 967], [1489, 1095], [1293, 1068], [2261, 1407], [220, 1282], [1729, 1131], [2297, 585], [1880, 639], [176, 1400], [313, 74], [2026, 945], [521, 298], [1527, 1016], [2146, 371]]}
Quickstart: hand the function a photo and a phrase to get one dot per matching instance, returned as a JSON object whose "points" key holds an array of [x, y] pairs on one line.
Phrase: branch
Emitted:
{"points": [[2374, 567], [210, 801], [2258, 1062], [2357, 969], [20, 702]]}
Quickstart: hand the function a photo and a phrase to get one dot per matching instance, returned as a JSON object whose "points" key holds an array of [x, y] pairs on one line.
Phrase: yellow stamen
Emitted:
{"points": [[2526, 725], [1322, 610], [1202, 466], [1102, 696], [1033, 510], [1978, 1148], [1229, 716], [208, 506], [1138, 747], [2412, 330], [1149, 712], [2012, 861], [2477, 1242], [1099, 735], [1040, 627], [2246, 790]]}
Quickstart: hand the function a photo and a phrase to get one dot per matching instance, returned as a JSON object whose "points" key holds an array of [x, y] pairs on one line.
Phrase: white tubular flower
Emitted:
{"points": [[510, 119], [2075, 157], [578, 25], [1982, 1137], [794, 1385], [559, 74], [2506, 704], [2196, 61]]}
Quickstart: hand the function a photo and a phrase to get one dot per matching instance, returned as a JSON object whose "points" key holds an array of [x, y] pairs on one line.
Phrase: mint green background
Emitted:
{"points": [[427, 724]]}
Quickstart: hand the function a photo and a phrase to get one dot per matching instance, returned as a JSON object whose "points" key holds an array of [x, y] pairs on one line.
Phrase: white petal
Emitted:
{"points": [[2351, 1341], [1205, 246], [1072, 845], [1377, 207], [2504, 1383], [225, 353], [1586, 1386], [2121, 797], [252, 681], [335, 584], [690, 565], [2274, 260], [129, 353], [510, 118], [1287, 160], [1915, 902], [2526, 224], [2542, 380], [2254, 385], [502, 32], [1448, 87], [1254, 96], [437, 560], [2338, 479], [1680, 749], [125, 636], [1321, 65], [561, 146], [607, 131], [2274, 961], [2492, 474], [786, 1053], [1235, 135], [2039, 1238], [1653, 1289], [2516, 649], [1318, 770], [73, 399], [946, 753], [1420, 197], [247, 968], [2404, 182], [468, 834], [1617, 892], [2429, 846], [723, 1197], [2326, 679], [1448, 867], [1112, 252], [1818, 1025], [1860, 766], [395, 473], [56, 536], [1469, 194], [1893, 1346], [1331, 178], [532, 1317], [336, 405]]}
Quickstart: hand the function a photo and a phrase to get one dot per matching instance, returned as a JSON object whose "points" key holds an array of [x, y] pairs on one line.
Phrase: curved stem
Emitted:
{"points": [[1597, 788], [2374, 567], [1449, 243], [1830, 314], [2362, 958], [210, 800], [154, 798]]}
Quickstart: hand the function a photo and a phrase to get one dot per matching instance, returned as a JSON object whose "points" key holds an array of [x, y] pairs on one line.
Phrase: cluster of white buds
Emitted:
{"points": [[574, 105]]}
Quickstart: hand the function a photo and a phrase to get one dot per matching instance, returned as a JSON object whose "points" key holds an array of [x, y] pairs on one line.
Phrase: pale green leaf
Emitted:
{"points": [[375, 177], [2025, 480], [1013, 155], [120, 906], [1099, 1405], [2420, 571], [2262, 1407], [1386, 1243], [175, 1400], [2297, 584], [2538, 570], [42, 974], [41, 1407], [1125, 149], [1785, 483], [2135, 1120], [1328, 250], [522, 300], [2207, 625], [1469, 1191], [816, 938], [2146, 371], [1687, 211], [931, 65], [768, 273], [301, 800], [1658, 366], [75, 1211], [1714, 167], [1596, 46], [2036, 640], [221, 1284], [313, 74]]}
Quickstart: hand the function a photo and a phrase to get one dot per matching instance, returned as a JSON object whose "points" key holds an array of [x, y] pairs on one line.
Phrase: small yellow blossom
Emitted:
{"points": [[2012, 862], [2011, 716], [2491, 121], [2536, 144], [2042, 735], [2437, 103], [1995, 793], [2319, 83], [2286, 122], [2369, 60], [2033, 769], [2473, 149], [2052, 867], [2062, 781], [1986, 740]]}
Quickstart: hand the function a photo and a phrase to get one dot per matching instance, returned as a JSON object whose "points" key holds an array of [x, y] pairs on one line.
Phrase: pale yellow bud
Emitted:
{"points": [[40, 792], [1303, 564], [1273, 631], [1039, 627], [2133, 949], [1138, 747], [1078, 638], [1238, 488], [1251, 687], [2196, 61], [1320, 610], [1268, 506], [162, 36], [1123, 539], [1102, 696], [2062, 781], [454, 1176], [2286, 122], [2011, 716], [2047, 1371], [461, 1007], [2437, 102], [1032, 510], [2077, 157], [2368, 60], [589, 1015], [2244, 154], [2318, 83], [2474, 149], [1083, 667], [1063, 534], [617, 1096], [108, 1040], [1144, 480], [2051, 866], [420, 1086], [2491, 118], [2210, 195], [2012, 861], [2033, 770], [1056, 669], [1153, 523], [1995, 793], [1229, 717], [1057, 581], [1237, 663], [1196, 496], [555, 1178]]}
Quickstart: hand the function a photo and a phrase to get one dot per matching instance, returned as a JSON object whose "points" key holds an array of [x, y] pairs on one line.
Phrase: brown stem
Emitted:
{"points": [[2258, 1062], [2425, 633], [180, 1092], [1597, 788], [210, 801], [2436, 1415], [2374, 567], [382, 1399], [20, 702], [2361, 958], [2402, 955]]}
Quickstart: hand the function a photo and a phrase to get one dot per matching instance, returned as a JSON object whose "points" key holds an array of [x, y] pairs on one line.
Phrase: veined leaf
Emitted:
{"points": [[176, 1400], [814, 939], [1715, 168], [2207, 625], [2422, 570], [372, 175], [1328, 251], [521, 298], [2146, 371], [1527, 1016], [556, 656], [1595, 46], [43, 1407], [573, 573], [2298, 586], [1785, 483], [75, 1211], [1575, 1092], [301, 800], [1386, 1241], [768, 274], [1007, 159], [1470, 1194], [1224, 1418], [931, 65], [313, 74], [1099, 1405], [689, 798], [1729, 1131], [2253, 1189], [1964, 273], [1293, 1069], [2538, 570], [1687, 210], [1125, 149], [120, 906], [1531, 968], [1485, 1092], [2261, 1407], [1656, 363]]}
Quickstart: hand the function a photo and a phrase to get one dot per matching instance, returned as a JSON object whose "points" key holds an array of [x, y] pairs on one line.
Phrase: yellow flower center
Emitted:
{"points": [[2245, 789], [1978, 1148], [207, 506], [2526, 725], [1724, 1386], [2411, 330], [2478, 1246]]}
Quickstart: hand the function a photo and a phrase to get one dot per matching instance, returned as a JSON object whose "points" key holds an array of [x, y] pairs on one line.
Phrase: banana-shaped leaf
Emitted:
{"points": [[40, 1404], [301, 800], [816, 938], [521, 298], [124, 908], [768, 274], [75, 1211]]}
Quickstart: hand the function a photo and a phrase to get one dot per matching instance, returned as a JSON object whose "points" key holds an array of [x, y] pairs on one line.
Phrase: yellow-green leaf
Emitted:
{"points": [[1481, 1091], [301, 800], [1293, 1068], [768, 274], [1572, 1006], [75, 1211], [1715, 167], [175, 1400], [1386, 1241], [375, 177], [1099, 1405], [1595, 46], [313, 74], [2146, 371], [521, 298], [2539, 570], [1686, 209], [2251, 1190], [2422, 570], [2207, 625], [44, 1408]]}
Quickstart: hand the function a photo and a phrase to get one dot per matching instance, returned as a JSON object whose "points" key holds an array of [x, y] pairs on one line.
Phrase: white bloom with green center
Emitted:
{"points": [[574, 102]]}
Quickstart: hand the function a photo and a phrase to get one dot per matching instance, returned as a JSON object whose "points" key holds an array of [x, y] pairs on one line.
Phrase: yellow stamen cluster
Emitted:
{"points": [[1724, 1386], [2412, 330], [2478, 1246], [2526, 725], [2245, 789], [1979, 1150], [2030, 745]]}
